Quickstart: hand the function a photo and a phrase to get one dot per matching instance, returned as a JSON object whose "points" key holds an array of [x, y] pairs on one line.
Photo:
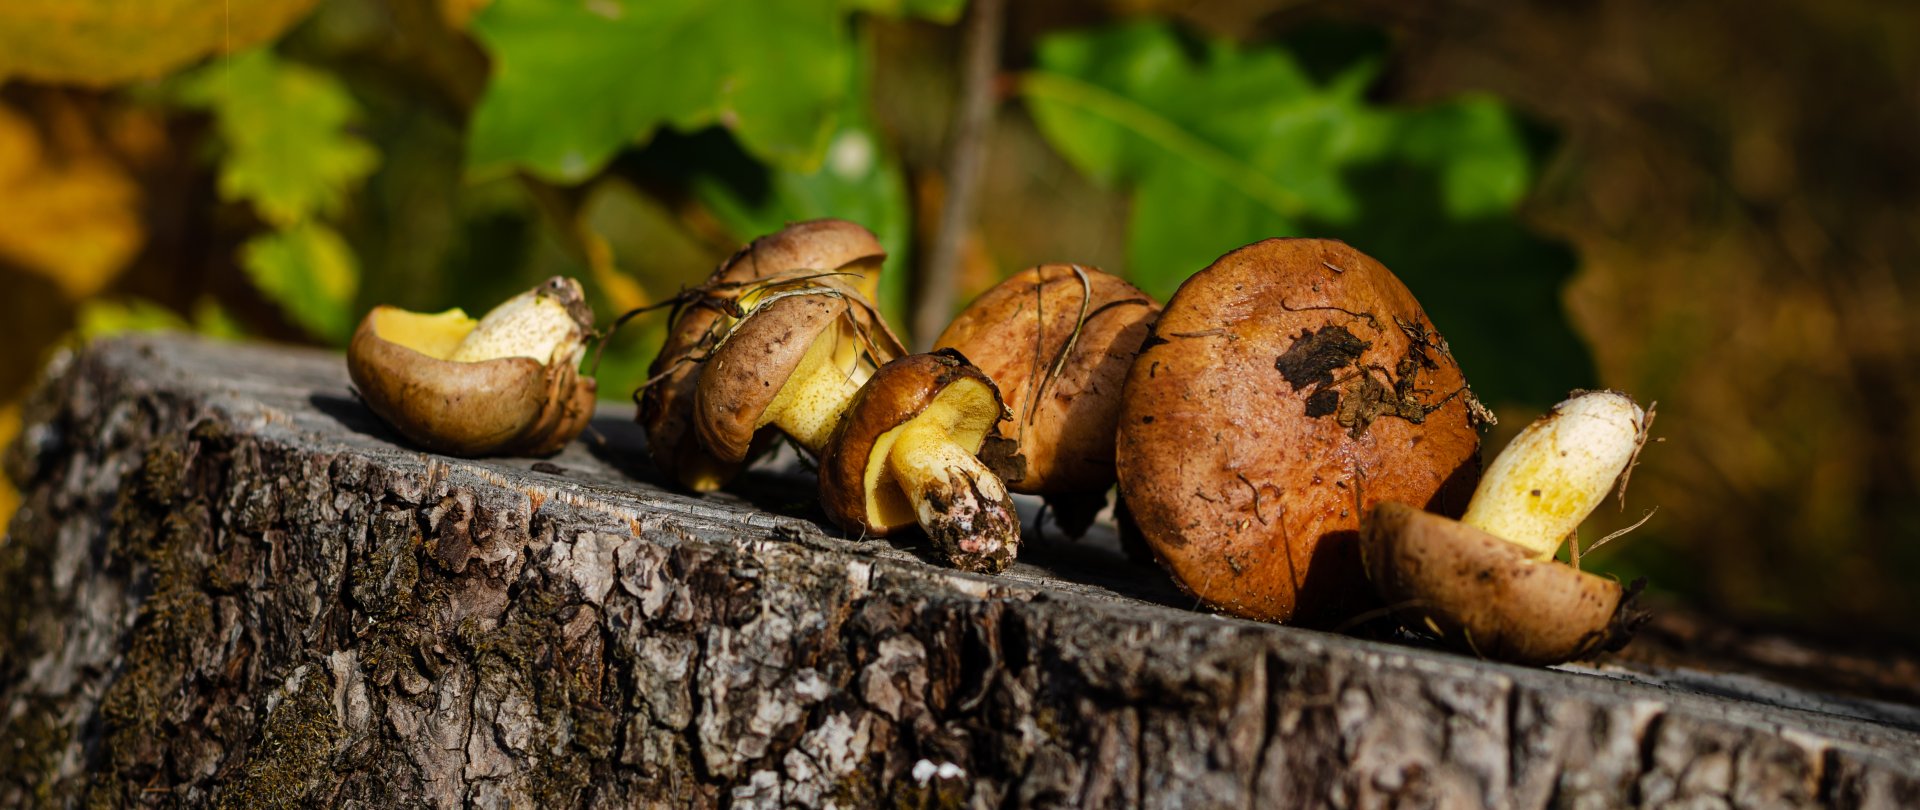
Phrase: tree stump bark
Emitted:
{"points": [[229, 585]]}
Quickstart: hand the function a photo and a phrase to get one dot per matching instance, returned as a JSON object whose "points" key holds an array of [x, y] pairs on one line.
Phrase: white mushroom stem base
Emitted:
{"points": [[1549, 478], [963, 507]]}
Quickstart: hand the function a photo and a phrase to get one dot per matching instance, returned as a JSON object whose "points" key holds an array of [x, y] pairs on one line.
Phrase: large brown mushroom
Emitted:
{"points": [[508, 383], [904, 454], [1488, 583], [1285, 389], [1057, 339], [794, 363], [827, 252]]}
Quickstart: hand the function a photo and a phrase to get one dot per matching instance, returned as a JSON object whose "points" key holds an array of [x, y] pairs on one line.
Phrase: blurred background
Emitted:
{"points": [[1708, 205]]}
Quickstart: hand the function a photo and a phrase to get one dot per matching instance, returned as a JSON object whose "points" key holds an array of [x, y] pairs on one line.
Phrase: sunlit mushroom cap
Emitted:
{"points": [[802, 249], [855, 488], [1286, 387], [1057, 339]]}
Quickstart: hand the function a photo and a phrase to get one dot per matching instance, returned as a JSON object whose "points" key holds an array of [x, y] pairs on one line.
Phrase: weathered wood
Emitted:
{"points": [[229, 586]]}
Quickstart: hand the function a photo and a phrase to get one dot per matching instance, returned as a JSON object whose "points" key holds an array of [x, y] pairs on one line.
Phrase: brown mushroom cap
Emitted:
{"points": [[666, 406], [1062, 377], [1285, 387], [751, 366], [1487, 595], [856, 489], [509, 405]]}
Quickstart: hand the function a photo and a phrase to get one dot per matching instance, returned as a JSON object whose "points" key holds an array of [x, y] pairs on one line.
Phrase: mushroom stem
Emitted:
{"points": [[548, 323], [809, 405], [1549, 478], [963, 507], [704, 473]]}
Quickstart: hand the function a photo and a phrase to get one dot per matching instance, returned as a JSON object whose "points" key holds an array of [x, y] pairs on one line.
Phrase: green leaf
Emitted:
{"points": [[285, 128], [1220, 145], [101, 317], [1473, 143], [213, 320], [310, 272], [858, 181], [574, 81], [940, 11]]}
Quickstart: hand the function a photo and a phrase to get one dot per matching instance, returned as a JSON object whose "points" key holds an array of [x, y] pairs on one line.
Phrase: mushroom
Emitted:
{"points": [[793, 363], [827, 252], [508, 383], [1283, 388], [1057, 340], [904, 454], [1488, 582]]}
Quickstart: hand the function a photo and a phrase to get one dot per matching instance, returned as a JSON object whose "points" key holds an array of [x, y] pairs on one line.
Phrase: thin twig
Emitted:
{"points": [[1073, 336], [1595, 546], [969, 153]]}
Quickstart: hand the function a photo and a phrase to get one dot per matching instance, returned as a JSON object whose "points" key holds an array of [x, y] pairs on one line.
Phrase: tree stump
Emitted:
{"points": [[230, 585]]}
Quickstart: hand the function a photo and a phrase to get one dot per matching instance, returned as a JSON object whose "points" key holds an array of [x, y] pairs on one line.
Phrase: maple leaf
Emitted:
{"points": [[289, 149]]}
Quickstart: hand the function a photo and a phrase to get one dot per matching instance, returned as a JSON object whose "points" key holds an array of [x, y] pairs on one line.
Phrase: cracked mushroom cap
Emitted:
{"points": [[1285, 388], [803, 248], [1484, 594], [1062, 377], [856, 487], [400, 363]]}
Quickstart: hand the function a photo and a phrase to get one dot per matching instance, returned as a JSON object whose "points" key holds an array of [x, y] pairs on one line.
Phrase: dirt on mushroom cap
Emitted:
{"points": [[1285, 388], [1057, 339]]}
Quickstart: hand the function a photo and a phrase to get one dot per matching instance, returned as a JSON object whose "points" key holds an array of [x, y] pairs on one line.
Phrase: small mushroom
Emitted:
{"points": [[904, 454], [1488, 582], [827, 252], [1284, 388], [1057, 340], [508, 383], [793, 363]]}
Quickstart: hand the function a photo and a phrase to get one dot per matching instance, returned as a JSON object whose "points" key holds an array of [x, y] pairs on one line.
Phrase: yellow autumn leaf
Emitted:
{"points": [[107, 42], [72, 212]]}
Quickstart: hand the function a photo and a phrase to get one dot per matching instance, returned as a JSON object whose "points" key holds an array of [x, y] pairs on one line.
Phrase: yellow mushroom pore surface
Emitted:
{"points": [[944, 436], [1552, 475], [435, 335], [810, 402]]}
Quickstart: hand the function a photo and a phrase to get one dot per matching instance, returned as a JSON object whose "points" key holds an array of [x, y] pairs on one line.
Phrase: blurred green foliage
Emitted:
{"points": [[283, 127], [860, 180], [101, 317], [574, 82], [288, 153], [1222, 145], [311, 272]]}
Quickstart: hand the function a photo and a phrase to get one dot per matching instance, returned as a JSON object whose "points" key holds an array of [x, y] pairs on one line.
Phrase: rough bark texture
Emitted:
{"points": [[230, 587]]}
